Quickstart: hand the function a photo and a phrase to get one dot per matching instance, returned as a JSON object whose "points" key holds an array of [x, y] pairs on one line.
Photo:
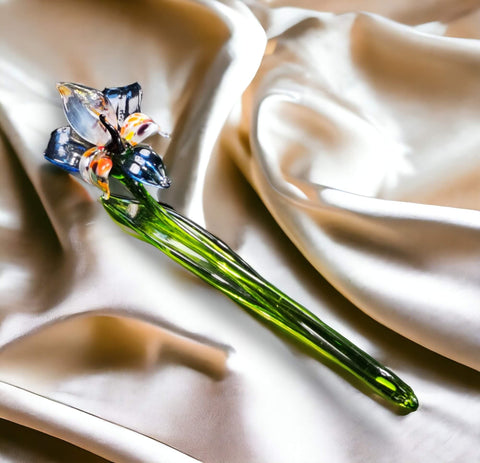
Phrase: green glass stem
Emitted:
{"points": [[214, 262]]}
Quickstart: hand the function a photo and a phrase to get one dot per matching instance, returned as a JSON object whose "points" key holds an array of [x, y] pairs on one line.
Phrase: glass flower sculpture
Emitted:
{"points": [[104, 143]]}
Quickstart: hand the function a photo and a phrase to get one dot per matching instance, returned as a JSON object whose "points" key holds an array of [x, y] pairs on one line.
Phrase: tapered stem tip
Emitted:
{"points": [[410, 403]]}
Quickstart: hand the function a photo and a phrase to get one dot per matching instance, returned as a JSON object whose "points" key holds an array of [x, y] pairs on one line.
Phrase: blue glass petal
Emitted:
{"points": [[146, 166], [65, 148], [125, 100]]}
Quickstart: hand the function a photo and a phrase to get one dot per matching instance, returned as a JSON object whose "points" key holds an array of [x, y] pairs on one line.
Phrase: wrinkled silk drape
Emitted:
{"points": [[334, 145]]}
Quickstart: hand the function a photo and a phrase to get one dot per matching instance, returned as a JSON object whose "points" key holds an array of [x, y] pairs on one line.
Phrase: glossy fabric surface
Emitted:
{"points": [[336, 151]]}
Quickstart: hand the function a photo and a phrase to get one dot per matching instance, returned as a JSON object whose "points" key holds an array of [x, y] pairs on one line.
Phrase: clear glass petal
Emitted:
{"points": [[137, 127], [146, 166], [125, 100], [95, 166], [65, 148], [83, 106]]}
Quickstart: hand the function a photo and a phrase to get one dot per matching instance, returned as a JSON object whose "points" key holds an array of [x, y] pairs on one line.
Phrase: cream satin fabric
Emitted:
{"points": [[358, 132]]}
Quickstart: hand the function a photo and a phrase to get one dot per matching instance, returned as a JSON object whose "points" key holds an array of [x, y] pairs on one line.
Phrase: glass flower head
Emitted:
{"points": [[106, 131]]}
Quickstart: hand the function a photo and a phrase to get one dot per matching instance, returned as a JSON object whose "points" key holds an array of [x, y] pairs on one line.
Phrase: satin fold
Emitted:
{"points": [[339, 140], [86, 431]]}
